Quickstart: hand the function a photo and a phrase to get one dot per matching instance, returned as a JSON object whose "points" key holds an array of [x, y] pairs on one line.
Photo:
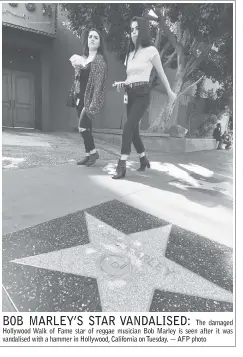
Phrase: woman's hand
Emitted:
{"points": [[119, 85]]}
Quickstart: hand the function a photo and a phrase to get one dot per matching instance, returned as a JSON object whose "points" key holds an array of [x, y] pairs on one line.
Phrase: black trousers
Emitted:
{"points": [[86, 123], [138, 102]]}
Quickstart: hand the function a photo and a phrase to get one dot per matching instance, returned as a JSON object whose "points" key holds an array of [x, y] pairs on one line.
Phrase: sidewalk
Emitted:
{"points": [[70, 148], [51, 206], [219, 161], [200, 179]]}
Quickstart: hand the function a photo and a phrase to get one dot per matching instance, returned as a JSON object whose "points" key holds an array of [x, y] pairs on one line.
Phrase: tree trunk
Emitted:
{"points": [[164, 118], [160, 123]]}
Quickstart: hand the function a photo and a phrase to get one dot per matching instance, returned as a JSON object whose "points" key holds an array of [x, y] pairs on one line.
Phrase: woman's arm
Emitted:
{"points": [[156, 61]]}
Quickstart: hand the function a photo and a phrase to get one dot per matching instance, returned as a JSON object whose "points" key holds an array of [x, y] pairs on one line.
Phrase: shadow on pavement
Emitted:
{"points": [[203, 187]]}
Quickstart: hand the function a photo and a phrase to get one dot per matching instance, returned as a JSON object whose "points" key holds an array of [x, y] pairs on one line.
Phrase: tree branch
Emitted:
{"points": [[151, 18], [157, 10], [199, 59], [164, 49], [165, 28], [191, 85], [179, 34], [190, 61], [184, 38], [170, 58], [170, 35], [158, 37], [193, 47]]}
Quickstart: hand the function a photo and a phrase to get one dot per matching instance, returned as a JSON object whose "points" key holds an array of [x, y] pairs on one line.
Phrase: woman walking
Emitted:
{"points": [[90, 80], [141, 58]]}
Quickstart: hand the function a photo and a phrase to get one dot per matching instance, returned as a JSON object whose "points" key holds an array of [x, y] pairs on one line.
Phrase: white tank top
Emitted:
{"points": [[139, 68]]}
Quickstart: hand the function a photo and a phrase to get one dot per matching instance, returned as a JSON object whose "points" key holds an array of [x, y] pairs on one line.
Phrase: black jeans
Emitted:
{"points": [[138, 102], [86, 123]]}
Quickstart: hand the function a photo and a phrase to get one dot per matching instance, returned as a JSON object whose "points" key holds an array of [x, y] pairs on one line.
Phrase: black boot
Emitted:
{"points": [[120, 170], [84, 161], [144, 163], [92, 159]]}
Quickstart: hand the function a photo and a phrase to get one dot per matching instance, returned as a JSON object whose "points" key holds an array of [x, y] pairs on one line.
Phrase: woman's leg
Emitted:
{"points": [[86, 123], [84, 161], [135, 110], [137, 141], [131, 128], [138, 144]]}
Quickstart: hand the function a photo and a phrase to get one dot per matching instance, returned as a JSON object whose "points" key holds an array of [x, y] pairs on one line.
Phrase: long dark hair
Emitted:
{"points": [[144, 37], [101, 48]]}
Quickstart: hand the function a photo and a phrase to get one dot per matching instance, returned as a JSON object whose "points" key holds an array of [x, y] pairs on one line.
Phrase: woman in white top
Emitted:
{"points": [[142, 57]]}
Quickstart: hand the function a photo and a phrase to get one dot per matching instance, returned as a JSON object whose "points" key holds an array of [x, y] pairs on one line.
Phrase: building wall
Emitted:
{"points": [[199, 115], [18, 58], [41, 18], [21, 45], [61, 78]]}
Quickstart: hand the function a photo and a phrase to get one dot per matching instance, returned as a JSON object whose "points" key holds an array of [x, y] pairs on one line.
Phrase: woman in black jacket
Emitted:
{"points": [[89, 88]]}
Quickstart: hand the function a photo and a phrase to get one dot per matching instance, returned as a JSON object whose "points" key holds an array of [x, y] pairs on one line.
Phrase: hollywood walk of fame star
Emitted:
{"points": [[128, 267]]}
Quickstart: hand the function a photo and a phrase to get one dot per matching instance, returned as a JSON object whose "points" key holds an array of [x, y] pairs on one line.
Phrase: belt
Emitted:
{"points": [[137, 84]]}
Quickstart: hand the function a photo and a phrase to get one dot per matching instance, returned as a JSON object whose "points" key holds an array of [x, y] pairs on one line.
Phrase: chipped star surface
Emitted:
{"points": [[149, 268]]}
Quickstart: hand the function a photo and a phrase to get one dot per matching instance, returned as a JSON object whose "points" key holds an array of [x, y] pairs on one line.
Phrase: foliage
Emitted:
{"points": [[203, 38], [207, 126]]}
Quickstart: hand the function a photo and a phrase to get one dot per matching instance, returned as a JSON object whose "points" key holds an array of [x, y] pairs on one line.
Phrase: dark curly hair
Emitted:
{"points": [[101, 49]]}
